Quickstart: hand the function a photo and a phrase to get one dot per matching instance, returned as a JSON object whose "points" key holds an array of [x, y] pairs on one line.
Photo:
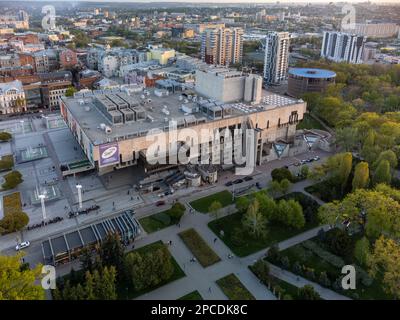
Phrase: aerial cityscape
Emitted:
{"points": [[199, 151]]}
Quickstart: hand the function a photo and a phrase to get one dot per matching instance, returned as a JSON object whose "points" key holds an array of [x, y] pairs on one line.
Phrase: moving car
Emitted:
{"points": [[229, 183], [247, 178], [160, 203], [22, 245]]}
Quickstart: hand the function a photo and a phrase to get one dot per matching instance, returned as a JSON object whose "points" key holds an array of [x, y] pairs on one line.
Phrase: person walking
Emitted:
{"points": [[215, 240]]}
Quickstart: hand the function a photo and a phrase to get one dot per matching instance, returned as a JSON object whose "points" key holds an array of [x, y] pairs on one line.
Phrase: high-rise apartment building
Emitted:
{"points": [[342, 47], [223, 46], [276, 57]]}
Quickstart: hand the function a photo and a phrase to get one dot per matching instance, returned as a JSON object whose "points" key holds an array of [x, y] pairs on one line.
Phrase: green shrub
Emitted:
{"points": [[12, 179], [280, 174], [5, 136], [323, 254]]}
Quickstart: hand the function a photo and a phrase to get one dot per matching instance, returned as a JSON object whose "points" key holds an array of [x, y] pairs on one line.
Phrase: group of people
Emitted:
{"points": [[44, 223], [72, 214]]}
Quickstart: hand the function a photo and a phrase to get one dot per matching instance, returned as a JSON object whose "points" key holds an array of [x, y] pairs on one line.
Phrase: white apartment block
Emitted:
{"points": [[276, 61], [342, 47]]}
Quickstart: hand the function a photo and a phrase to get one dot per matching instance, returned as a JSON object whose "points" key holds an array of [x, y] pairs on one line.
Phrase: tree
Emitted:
{"points": [[86, 259], [285, 186], [388, 155], [176, 212], [382, 173], [345, 169], [304, 171], [261, 269], [384, 260], [13, 222], [215, 208], [279, 174], [381, 212], [18, 283], [362, 251], [242, 203], [111, 252], [148, 269], [308, 293], [254, 221], [5, 136], [104, 284], [274, 187], [347, 138], [361, 176], [339, 242], [295, 217], [70, 91], [267, 205]]}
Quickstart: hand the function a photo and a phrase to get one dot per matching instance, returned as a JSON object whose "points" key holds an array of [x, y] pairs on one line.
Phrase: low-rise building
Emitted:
{"points": [[12, 97]]}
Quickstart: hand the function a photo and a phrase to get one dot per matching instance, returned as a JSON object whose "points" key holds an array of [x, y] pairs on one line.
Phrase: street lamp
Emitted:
{"points": [[79, 187], [41, 197], [22, 125]]}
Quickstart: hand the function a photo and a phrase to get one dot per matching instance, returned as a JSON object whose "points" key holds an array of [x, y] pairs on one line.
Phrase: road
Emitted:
{"points": [[33, 254]]}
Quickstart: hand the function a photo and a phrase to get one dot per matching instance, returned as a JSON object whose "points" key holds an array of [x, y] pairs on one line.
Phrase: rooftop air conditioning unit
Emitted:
{"points": [[108, 130], [180, 98], [102, 126]]}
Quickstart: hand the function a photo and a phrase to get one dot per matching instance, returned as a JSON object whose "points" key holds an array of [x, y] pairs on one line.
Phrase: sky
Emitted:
{"points": [[235, 1]]}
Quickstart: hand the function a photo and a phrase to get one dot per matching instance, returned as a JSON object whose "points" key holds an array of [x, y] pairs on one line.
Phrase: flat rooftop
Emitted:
{"points": [[159, 111], [312, 73]]}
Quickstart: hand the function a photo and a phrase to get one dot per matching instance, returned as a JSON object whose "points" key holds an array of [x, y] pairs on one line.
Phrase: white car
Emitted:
{"points": [[22, 245]]}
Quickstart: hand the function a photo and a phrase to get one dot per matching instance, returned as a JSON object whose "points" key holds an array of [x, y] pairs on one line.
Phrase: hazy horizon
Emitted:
{"points": [[221, 1]]}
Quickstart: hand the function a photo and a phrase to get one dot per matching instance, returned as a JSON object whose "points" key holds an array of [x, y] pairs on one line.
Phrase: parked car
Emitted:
{"points": [[248, 178], [316, 158], [22, 245], [237, 181], [229, 183], [258, 186], [298, 164], [160, 203]]}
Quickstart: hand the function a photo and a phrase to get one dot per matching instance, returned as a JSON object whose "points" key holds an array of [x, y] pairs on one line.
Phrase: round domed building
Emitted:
{"points": [[303, 80]]}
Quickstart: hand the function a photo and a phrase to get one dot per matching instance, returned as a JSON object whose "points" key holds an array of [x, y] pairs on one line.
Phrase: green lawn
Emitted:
{"points": [[200, 249], [194, 295], [203, 204], [234, 289], [309, 122], [156, 222], [128, 292], [275, 233]]}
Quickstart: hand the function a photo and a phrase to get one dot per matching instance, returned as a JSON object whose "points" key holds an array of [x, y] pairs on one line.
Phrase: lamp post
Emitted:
{"points": [[41, 197], [79, 187]]}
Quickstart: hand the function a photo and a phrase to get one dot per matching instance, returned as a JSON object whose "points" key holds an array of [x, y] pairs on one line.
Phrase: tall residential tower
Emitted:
{"points": [[276, 57], [222, 46]]}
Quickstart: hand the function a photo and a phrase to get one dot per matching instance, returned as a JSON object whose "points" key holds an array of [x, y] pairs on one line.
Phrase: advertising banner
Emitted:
{"points": [[109, 154]]}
